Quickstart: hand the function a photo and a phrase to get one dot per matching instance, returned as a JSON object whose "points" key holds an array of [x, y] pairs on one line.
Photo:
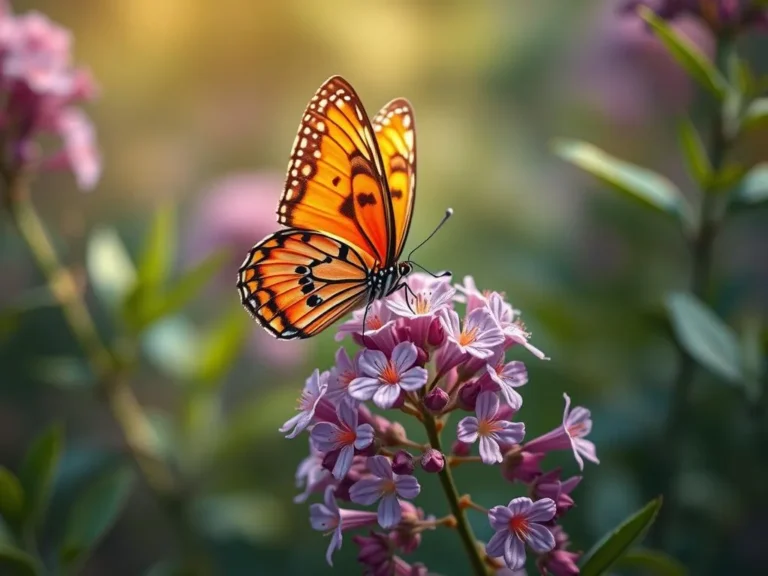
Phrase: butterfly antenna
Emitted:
{"points": [[365, 320], [442, 274], [448, 214]]}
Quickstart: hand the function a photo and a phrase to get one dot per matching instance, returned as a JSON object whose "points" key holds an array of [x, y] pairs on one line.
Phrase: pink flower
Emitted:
{"points": [[513, 329], [386, 486], [577, 424], [379, 327], [80, 153], [328, 516], [314, 390], [489, 429], [346, 437], [341, 376], [476, 339], [425, 298], [505, 378], [384, 379], [517, 524], [550, 486]]}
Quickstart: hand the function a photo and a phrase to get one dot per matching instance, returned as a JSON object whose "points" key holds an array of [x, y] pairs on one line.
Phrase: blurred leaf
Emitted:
{"points": [[616, 543], [687, 54], [652, 188], [38, 470], [756, 115], [11, 497], [15, 562], [164, 437], [66, 372], [95, 511], [109, 267], [159, 250], [752, 353], [251, 516], [173, 346], [753, 189], [711, 342], [222, 345], [144, 307], [727, 177], [694, 152], [653, 562]]}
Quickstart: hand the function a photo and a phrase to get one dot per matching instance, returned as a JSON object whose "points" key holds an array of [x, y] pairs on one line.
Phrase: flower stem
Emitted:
{"points": [[449, 487], [112, 383]]}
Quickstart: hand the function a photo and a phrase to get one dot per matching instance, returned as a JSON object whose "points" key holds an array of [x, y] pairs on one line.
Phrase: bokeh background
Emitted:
{"points": [[198, 109]]}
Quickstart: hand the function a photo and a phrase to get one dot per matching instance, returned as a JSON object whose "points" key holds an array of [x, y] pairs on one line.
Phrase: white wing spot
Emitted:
{"points": [[296, 163], [303, 143], [321, 126], [295, 183], [288, 195], [307, 170], [408, 136], [317, 154], [359, 113], [347, 98], [283, 208], [307, 117], [407, 121], [294, 173]]}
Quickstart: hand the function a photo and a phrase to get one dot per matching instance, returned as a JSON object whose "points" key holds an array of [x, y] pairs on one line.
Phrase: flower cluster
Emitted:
{"points": [[419, 357], [40, 89], [721, 16]]}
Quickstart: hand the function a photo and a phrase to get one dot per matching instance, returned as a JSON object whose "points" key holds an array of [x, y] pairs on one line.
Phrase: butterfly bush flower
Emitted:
{"points": [[40, 92], [489, 428], [427, 352]]}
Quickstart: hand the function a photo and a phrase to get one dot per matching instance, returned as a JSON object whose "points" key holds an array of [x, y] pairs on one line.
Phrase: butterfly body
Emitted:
{"points": [[347, 202]]}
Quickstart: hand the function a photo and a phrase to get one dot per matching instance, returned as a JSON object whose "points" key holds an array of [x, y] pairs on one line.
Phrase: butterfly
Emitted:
{"points": [[347, 204]]}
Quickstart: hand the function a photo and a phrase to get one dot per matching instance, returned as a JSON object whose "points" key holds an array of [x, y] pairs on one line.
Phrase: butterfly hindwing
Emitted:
{"points": [[336, 179], [395, 132], [297, 282]]}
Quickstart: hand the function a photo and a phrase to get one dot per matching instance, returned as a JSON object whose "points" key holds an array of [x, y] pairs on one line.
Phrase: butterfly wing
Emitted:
{"points": [[295, 282], [396, 136], [336, 180]]}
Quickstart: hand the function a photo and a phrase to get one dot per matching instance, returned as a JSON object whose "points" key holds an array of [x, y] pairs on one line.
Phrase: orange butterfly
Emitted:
{"points": [[348, 202]]}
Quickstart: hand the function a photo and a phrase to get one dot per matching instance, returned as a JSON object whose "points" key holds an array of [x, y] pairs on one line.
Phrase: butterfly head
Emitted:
{"points": [[404, 268]]}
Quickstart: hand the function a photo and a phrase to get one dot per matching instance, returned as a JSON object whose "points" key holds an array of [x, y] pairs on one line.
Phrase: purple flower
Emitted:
{"points": [[489, 429], [521, 465], [311, 475], [479, 335], [505, 378], [469, 294], [314, 389], [436, 400], [518, 523], [402, 462], [432, 461], [383, 380], [550, 486], [378, 319], [426, 297], [513, 329], [559, 562], [328, 516], [387, 486], [341, 375], [570, 435], [344, 438]]}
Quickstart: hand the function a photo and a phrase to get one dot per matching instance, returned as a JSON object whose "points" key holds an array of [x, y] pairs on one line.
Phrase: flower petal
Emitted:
{"points": [[366, 491], [333, 545], [380, 466], [520, 506], [343, 462], [321, 518], [364, 436], [414, 378], [586, 449], [403, 356], [514, 553], [372, 363], [499, 517], [389, 512], [347, 415], [497, 543], [510, 433], [363, 388], [291, 422], [324, 436], [542, 510], [487, 406], [489, 450], [466, 430], [407, 486], [539, 538], [511, 397], [386, 396], [450, 321]]}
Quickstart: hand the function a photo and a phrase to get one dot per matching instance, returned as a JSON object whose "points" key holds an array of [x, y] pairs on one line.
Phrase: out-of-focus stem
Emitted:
{"points": [[454, 502]]}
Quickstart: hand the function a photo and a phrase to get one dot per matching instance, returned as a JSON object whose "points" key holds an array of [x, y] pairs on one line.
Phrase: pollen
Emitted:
{"points": [[421, 305], [346, 437], [468, 337], [390, 375], [518, 525], [577, 429], [487, 427]]}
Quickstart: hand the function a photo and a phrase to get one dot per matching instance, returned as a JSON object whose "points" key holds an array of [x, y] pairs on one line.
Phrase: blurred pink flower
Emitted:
{"points": [[234, 213]]}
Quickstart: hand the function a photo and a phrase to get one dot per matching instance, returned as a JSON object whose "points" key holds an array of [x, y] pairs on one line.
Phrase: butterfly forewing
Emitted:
{"points": [[297, 282], [396, 136], [336, 180]]}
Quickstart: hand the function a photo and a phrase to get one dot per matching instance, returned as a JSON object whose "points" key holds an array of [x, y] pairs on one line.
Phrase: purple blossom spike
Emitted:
{"points": [[489, 429], [384, 379], [521, 465], [570, 435], [477, 337], [560, 561], [514, 331], [340, 377], [386, 486], [345, 438], [314, 389], [505, 378], [329, 517], [517, 524], [550, 486]]}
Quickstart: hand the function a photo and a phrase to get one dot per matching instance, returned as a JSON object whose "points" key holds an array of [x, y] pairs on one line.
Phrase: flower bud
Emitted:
{"points": [[436, 333], [402, 463], [460, 448], [468, 395], [432, 461], [521, 465], [436, 400], [393, 434]]}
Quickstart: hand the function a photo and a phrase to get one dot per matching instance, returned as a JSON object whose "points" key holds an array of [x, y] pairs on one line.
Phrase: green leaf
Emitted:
{"points": [[222, 345], [616, 543], [756, 115], [643, 184], [251, 516], [159, 251], [711, 342], [11, 497], [687, 54], [67, 372], [172, 345], [38, 471], [753, 188], [109, 266], [95, 511], [15, 562], [752, 353], [694, 152], [727, 177], [653, 562]]}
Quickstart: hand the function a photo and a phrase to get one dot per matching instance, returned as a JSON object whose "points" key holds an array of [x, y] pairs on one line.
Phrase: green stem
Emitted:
{"points": [[468, 539]]}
